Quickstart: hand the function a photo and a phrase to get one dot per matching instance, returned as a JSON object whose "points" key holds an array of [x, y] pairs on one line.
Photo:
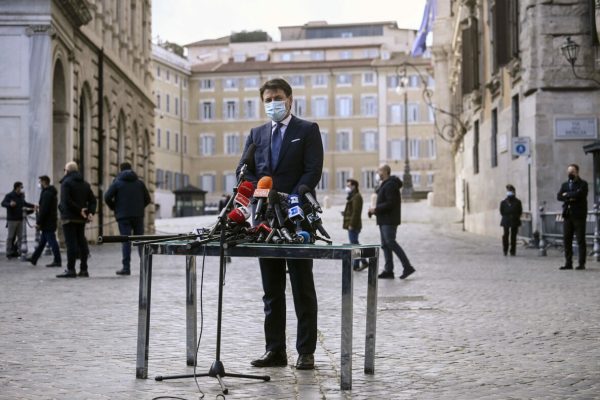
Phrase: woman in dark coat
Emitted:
{"points": [[511, 210]]}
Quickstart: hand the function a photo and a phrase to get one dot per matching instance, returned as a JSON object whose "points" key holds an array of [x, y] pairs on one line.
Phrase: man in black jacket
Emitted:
{"points": [[77, 207], [573, 193], [14, 203], [510, 210], [127, 196], [387, 212], [46, 222]]}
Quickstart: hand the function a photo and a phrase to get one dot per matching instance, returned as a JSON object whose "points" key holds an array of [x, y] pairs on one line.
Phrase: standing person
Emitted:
{"points": [[387, 212], [510, 210], [290, 151], [352, 218], [46, 222], [573, 193], [127, 196], [14, 202], [77, 207]]}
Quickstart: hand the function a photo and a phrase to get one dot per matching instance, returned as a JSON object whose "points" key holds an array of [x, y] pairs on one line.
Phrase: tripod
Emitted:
{"points": [[217, 370]]}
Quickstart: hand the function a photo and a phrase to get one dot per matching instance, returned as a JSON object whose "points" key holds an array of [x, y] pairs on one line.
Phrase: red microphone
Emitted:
{"points": [[244, 192], [238, 215]]}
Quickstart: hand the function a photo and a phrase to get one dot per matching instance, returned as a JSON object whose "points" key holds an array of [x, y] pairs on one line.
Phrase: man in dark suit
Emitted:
{"points": [[510, 210], [573, 193], [290, 151], [46, 222]]}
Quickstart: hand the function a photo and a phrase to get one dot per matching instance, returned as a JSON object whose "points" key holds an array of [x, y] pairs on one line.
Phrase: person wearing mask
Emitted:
{"points": [[46, 222], [14, 202], [128, 196], [573, 193], [352, 218], [77, 207], [290, 151], [387, 213], [510, 210]]}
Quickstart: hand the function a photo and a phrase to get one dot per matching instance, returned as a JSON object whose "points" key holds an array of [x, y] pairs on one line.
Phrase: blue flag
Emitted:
{"points": [[419, 45]]}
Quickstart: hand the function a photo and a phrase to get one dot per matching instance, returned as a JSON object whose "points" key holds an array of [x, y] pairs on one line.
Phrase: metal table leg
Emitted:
{"points": [[144, 313], [371, 315], [346, 346], [190, 308]]}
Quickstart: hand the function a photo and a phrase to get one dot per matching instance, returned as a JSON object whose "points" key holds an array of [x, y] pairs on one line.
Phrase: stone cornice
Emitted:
{"points": [[77, 11]]}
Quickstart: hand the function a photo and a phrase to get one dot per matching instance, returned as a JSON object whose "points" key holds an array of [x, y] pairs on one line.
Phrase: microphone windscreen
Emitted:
{"points": [[246, 188], [249, 157], [273, 198], [266, 182], [238, 215], [303, 189], [305, 236]]}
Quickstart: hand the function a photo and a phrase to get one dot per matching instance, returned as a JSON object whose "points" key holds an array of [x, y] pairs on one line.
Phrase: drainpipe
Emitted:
{"points": [[100, 142]]}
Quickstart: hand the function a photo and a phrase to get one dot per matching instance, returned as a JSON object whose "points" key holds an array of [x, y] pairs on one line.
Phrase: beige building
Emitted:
{"points": [[76, 85], [501, 72], [344, 77]]}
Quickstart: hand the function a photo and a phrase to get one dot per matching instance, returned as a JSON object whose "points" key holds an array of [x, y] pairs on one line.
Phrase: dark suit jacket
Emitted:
{"points": [[575, 199], [511, 210], [300, 158]]}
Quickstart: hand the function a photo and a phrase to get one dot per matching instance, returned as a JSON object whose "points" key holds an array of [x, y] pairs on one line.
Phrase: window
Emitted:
{"points": [[229, 182], [396, 149], [324, 182], [299, 107], [239, 57], [176, 142], [368, 106], [319, 107], [470, 57], [515, 118], [325, 140], [392, 81], [431, 148], [207, 110], [176, 105], [368, 179], [342, 141], [416, 178], [177, 181], [168, 75], [250, 83], [430, 179], [232, 143], [168, 140], [160, 176], [369, 79], [158, 100], [184, 83], [341, 176], [168, 103], [230, 83], [206, 145], [261, 57], [413, 148], [176, 79], [494, 138], [413, 81], [413, 112], [369, 141], [317, 55], [184, 144], [430, 114], [250, 110], [184, 109], [230, 109], [286, 57], [207, 84], [158, 137], [345, 55], [505, 32], [371, 53], [476, 147], [207, 182], [297, 81], [186, 179], [396, 114], [320, 80], [344, 80], [158, 72], [168, 181], [344, 106]]}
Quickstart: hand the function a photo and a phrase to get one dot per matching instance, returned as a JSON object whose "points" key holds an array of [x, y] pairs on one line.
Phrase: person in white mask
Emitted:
{"points": [[353, 218], [510, 210]]}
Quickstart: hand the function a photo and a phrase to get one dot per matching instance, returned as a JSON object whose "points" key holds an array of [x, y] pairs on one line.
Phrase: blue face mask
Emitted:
{"points": [[276, 110]]}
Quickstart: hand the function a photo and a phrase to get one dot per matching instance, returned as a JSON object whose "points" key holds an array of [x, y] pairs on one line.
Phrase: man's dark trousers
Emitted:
{"points": [[126, 227], [512, 233], [574, 227], [391, 247], [305, 303], [50, 238], [77, 246]]}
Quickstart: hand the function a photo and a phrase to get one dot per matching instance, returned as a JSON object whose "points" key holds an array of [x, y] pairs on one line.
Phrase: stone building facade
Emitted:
{"points": [[76, 85], [507, 82]]}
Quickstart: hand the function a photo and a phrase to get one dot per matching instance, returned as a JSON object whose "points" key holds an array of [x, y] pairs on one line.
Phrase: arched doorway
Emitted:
{"points": [[60, 120]]}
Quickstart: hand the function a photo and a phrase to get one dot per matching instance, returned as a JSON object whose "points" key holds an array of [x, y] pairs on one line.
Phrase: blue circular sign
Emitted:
{"points": [[520, 149]]}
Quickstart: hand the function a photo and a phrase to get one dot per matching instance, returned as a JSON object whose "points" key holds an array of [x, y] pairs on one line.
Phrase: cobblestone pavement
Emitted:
{"points": [[469, 324]]}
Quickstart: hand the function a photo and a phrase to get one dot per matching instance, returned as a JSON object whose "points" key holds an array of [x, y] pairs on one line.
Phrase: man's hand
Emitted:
{"points": [[371, 212], [13, 203], [84, 213], [38, 227]]}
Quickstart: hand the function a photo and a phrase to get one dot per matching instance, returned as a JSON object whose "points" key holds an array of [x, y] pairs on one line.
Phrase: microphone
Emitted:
{"points": [[261, 193], [248, 161], [315, 220], [273, 201], [244, 192], [303, 237], [238, 215], [295, 213], [305, 191]]}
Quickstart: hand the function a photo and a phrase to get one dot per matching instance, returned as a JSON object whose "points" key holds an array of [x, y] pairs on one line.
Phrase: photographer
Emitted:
{"points": [[14, 203]]}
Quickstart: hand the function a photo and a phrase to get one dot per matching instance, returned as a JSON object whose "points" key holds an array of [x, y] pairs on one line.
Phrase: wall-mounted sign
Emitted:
{"points": [[572, 128], [521, 146]]}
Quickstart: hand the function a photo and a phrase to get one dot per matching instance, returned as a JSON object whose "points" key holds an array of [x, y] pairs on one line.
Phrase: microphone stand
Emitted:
{"points": [[217, 370]]}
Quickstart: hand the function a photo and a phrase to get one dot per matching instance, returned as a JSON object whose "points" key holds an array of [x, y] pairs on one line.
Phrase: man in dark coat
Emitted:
{"points": [[14, 203], [352, 218], [77, 207], [46, 222], [573, 193], [387, 212], [127, 196], [510, 210]]}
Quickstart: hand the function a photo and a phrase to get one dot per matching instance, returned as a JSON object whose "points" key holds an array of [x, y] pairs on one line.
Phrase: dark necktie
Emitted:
{"points": [[570, 185], [275, 145]]}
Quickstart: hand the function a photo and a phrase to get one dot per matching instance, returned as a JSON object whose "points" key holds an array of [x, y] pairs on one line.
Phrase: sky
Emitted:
{"points": [[187, 21]]}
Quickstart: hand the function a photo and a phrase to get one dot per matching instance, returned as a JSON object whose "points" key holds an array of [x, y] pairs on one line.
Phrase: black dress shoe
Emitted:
{"points": [[566, 267], [386, 275], [271, 359], [580, 267], [83, 274], [53, 264], [32, 261], [407, 272], [67, 274], [305, 361], [123, 272]]}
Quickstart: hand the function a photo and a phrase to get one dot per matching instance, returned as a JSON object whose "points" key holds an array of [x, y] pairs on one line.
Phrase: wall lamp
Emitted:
{"points": [[570, 50]]}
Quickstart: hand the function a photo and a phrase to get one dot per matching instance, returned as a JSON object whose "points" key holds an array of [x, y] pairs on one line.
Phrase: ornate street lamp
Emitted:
{"points": [[570, 50], [402, 83]]}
